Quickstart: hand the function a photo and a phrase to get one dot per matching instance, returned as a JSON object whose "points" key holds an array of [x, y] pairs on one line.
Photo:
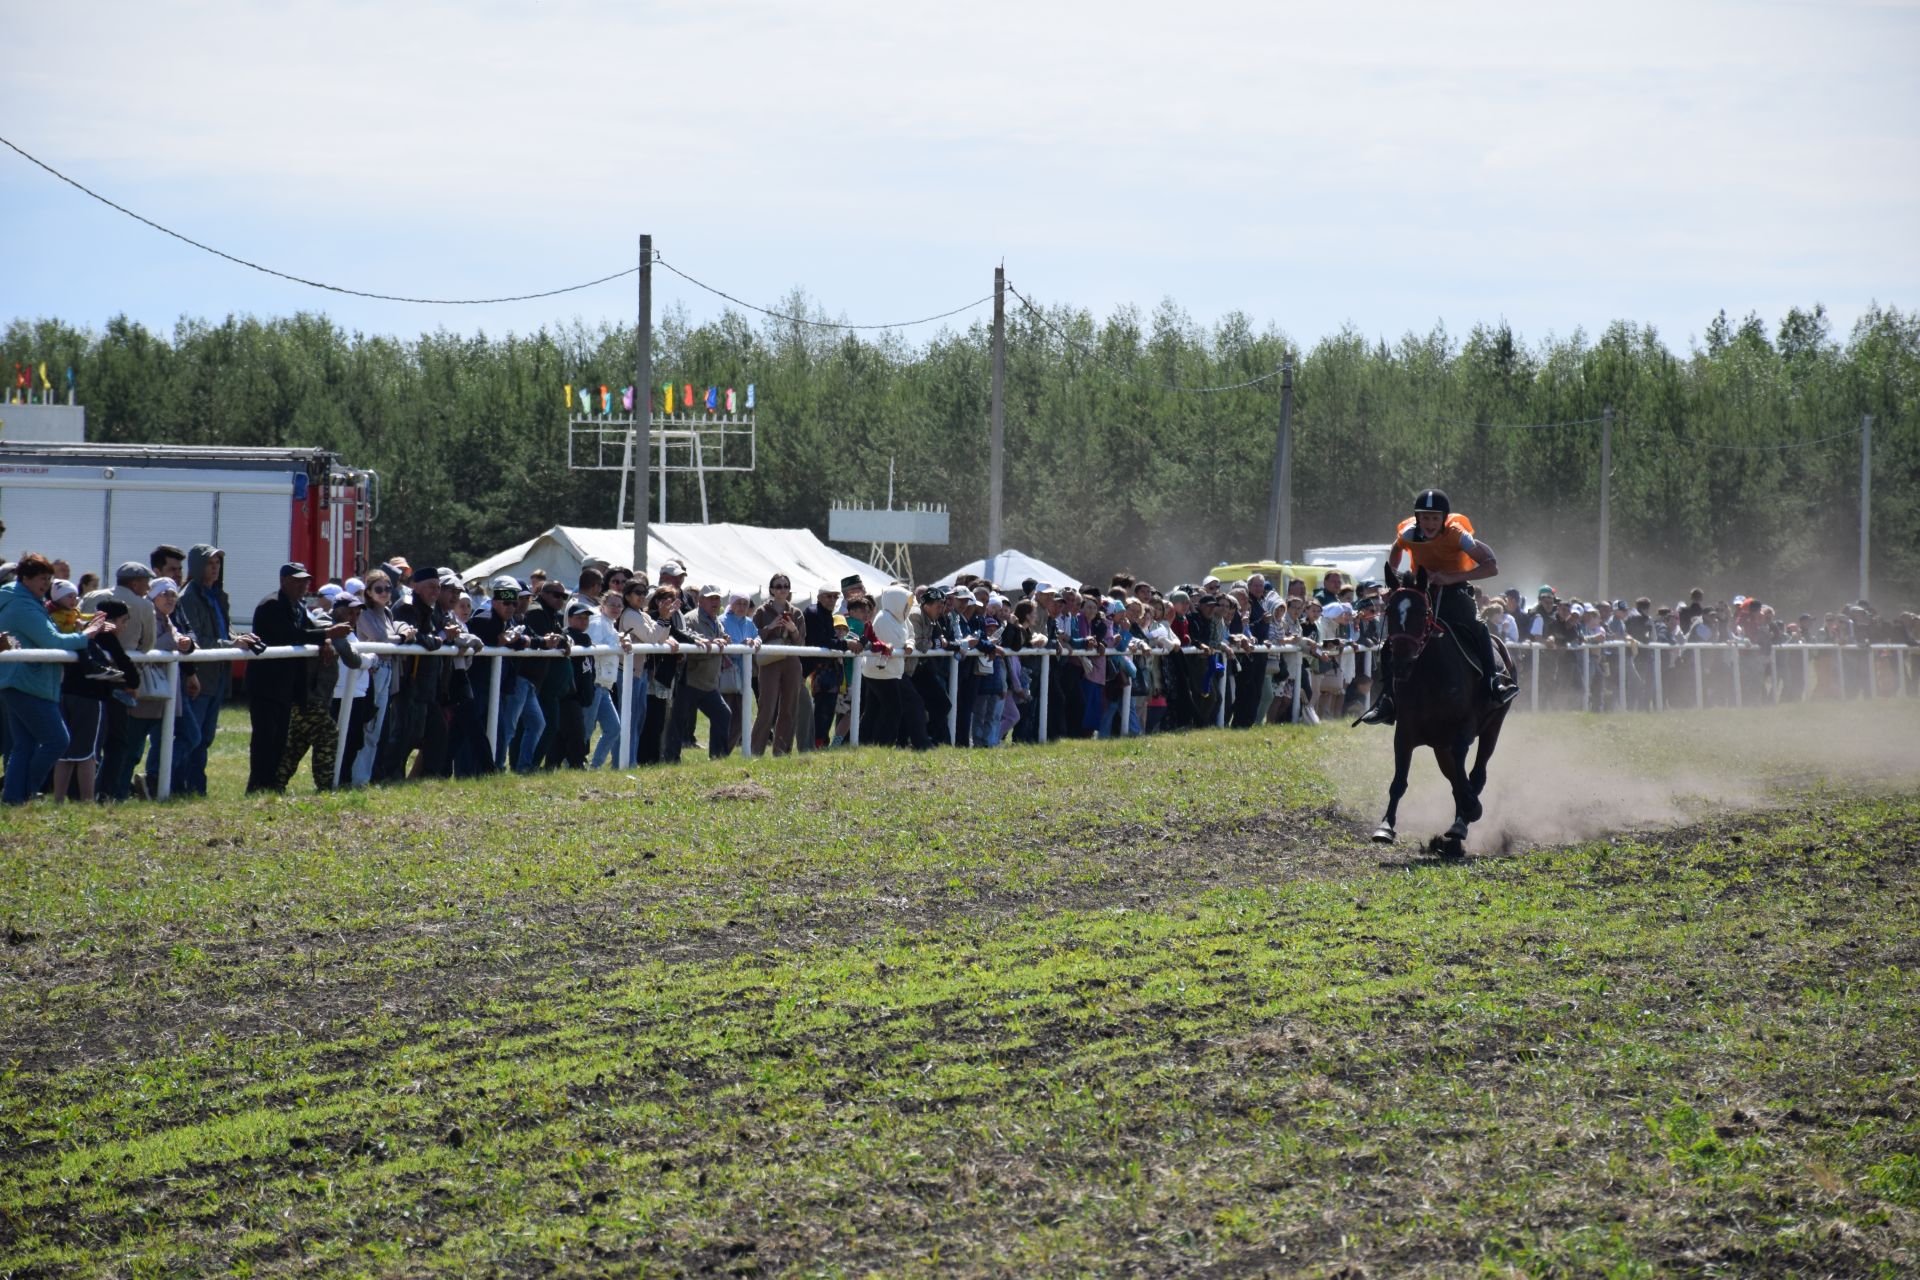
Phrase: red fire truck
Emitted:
{"points": [[98, 505]]}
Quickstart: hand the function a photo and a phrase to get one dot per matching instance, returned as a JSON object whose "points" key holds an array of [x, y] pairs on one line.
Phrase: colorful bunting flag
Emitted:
{"points": [[749, 395], [730, 402], [606, 401], [713, 399], [666, 405], [626, 398], [586, 401], [46, 384], [569, 397], [687, 401]]}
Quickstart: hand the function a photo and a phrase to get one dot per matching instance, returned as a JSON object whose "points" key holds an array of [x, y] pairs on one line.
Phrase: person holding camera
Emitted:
{"points": [[30, 692]]}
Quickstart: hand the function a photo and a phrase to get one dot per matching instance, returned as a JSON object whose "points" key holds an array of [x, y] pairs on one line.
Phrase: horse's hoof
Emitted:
{"points": [[1450, 847], [1383, 835]]}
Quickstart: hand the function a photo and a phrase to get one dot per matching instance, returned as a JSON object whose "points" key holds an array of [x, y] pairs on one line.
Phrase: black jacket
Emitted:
{"points": [[278, 621]]}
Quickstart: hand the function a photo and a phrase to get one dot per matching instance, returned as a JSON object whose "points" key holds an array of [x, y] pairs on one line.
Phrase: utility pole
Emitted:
{"points": [[1866, 495], [997, 414], [1606, 493], [1280, 502], [643, 407]]}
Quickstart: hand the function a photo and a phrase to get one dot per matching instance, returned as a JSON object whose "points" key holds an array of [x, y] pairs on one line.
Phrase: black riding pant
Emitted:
{"points": [[1457, 612]]}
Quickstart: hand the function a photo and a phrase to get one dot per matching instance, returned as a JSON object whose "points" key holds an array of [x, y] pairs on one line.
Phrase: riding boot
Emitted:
{"points": [[1499, 688], [1381, 712]]}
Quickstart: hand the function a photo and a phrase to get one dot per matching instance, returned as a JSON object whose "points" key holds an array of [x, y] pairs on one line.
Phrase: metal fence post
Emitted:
{"points": [[623, 753], [1840, 669], [1297, 668], [493, 708], [1621, 653], [1126, 710], [1733, 659], [1226, 693], [1046, 693], [953, 700], [165, 769], [853, 705], [1873, 679], [345, 716], [1659, 679], [747, 708]]}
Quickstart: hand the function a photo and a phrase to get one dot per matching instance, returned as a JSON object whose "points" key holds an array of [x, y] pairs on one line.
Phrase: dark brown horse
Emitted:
{"points": [[1440, 701]]}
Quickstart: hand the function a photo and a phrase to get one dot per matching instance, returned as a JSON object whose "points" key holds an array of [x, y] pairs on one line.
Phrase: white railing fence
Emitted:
{"points": [[1613, 675]]}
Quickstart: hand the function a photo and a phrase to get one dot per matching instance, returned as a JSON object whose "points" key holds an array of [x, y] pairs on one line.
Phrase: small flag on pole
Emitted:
{"points": [[713, 399], [626, 398], [749, 395], [730, 400], [666, 404], [569, 397], [688, 399], [586, 401], [606, 401]]}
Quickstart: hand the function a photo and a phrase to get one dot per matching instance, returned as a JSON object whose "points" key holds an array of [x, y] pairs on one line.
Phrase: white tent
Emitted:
{"points": [[730, 556], [1010, 569]]}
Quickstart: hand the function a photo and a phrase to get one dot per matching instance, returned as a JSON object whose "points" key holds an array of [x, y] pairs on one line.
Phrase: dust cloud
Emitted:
{"points": [[1561, 778]]}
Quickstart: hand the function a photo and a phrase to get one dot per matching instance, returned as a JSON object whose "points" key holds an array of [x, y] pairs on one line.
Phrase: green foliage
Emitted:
{"points": [[1107, 465]]}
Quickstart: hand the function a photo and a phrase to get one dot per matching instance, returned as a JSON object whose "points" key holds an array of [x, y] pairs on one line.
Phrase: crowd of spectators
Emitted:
{"points": [[939, 666]]}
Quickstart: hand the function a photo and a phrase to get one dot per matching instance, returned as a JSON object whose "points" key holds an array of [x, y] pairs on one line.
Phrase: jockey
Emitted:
{"points": [[1443, 543]]}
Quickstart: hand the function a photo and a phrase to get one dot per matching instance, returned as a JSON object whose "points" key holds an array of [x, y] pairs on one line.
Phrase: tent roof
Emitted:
{"points": [[731, 556], [1008, 569]]}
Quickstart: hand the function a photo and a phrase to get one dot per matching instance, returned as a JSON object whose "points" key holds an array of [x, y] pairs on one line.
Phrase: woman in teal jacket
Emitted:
{"points": [[30, 691]]}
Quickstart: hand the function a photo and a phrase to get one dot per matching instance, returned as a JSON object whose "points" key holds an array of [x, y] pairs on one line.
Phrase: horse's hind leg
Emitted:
{"points": [[1402, 761]]}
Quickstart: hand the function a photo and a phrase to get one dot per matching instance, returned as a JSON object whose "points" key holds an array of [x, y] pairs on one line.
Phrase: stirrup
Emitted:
{"points": [[1502, 691], [1380, 712]]}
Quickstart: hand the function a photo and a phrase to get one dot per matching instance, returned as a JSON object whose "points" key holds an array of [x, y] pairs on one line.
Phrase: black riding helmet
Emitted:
{"points": [[1433, 500]]}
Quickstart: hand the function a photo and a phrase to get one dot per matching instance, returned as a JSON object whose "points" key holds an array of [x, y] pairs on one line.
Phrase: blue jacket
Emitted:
{"points": [[25, 615]]}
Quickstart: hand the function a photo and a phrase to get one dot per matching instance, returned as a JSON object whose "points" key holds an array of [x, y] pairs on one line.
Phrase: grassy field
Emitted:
{"points": [[1147, 1008]]}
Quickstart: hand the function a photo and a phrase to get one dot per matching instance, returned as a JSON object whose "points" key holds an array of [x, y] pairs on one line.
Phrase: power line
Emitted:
{"points": [[1515, 426], [1091, 354], [1767, 448], [818, 324], [285, 275]]}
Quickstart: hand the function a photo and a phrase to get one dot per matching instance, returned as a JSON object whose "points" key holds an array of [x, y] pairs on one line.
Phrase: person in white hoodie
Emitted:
{"points": [[603, 628], [891, 705]]}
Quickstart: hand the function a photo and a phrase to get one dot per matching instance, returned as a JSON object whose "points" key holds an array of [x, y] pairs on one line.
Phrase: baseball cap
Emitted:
{"points": [[329, 592], [162, 587], [294, 569], [130, 570], [1545, 591], [673, 569], [355, 585], [577, 608], [706, 591], [826, 589], [348, 599], [852, 580], [1114, 606], [1039, 587], [839, 619]]}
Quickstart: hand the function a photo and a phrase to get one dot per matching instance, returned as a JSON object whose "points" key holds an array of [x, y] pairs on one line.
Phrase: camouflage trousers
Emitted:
{"points": [[313, 727]]}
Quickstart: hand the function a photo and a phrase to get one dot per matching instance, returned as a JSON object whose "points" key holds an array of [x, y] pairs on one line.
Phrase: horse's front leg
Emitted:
{"points": [[1466, 805], [1402, 762]]}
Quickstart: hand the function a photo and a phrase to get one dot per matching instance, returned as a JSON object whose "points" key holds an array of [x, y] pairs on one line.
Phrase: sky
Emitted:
{"points": [[1386, 166]]}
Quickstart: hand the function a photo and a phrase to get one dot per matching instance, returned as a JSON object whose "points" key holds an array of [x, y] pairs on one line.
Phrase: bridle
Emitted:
{"points": [[1410, 624]]}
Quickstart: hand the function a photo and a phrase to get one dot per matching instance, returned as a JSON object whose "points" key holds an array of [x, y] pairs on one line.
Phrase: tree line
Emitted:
{"points": [[1112, 461]]}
